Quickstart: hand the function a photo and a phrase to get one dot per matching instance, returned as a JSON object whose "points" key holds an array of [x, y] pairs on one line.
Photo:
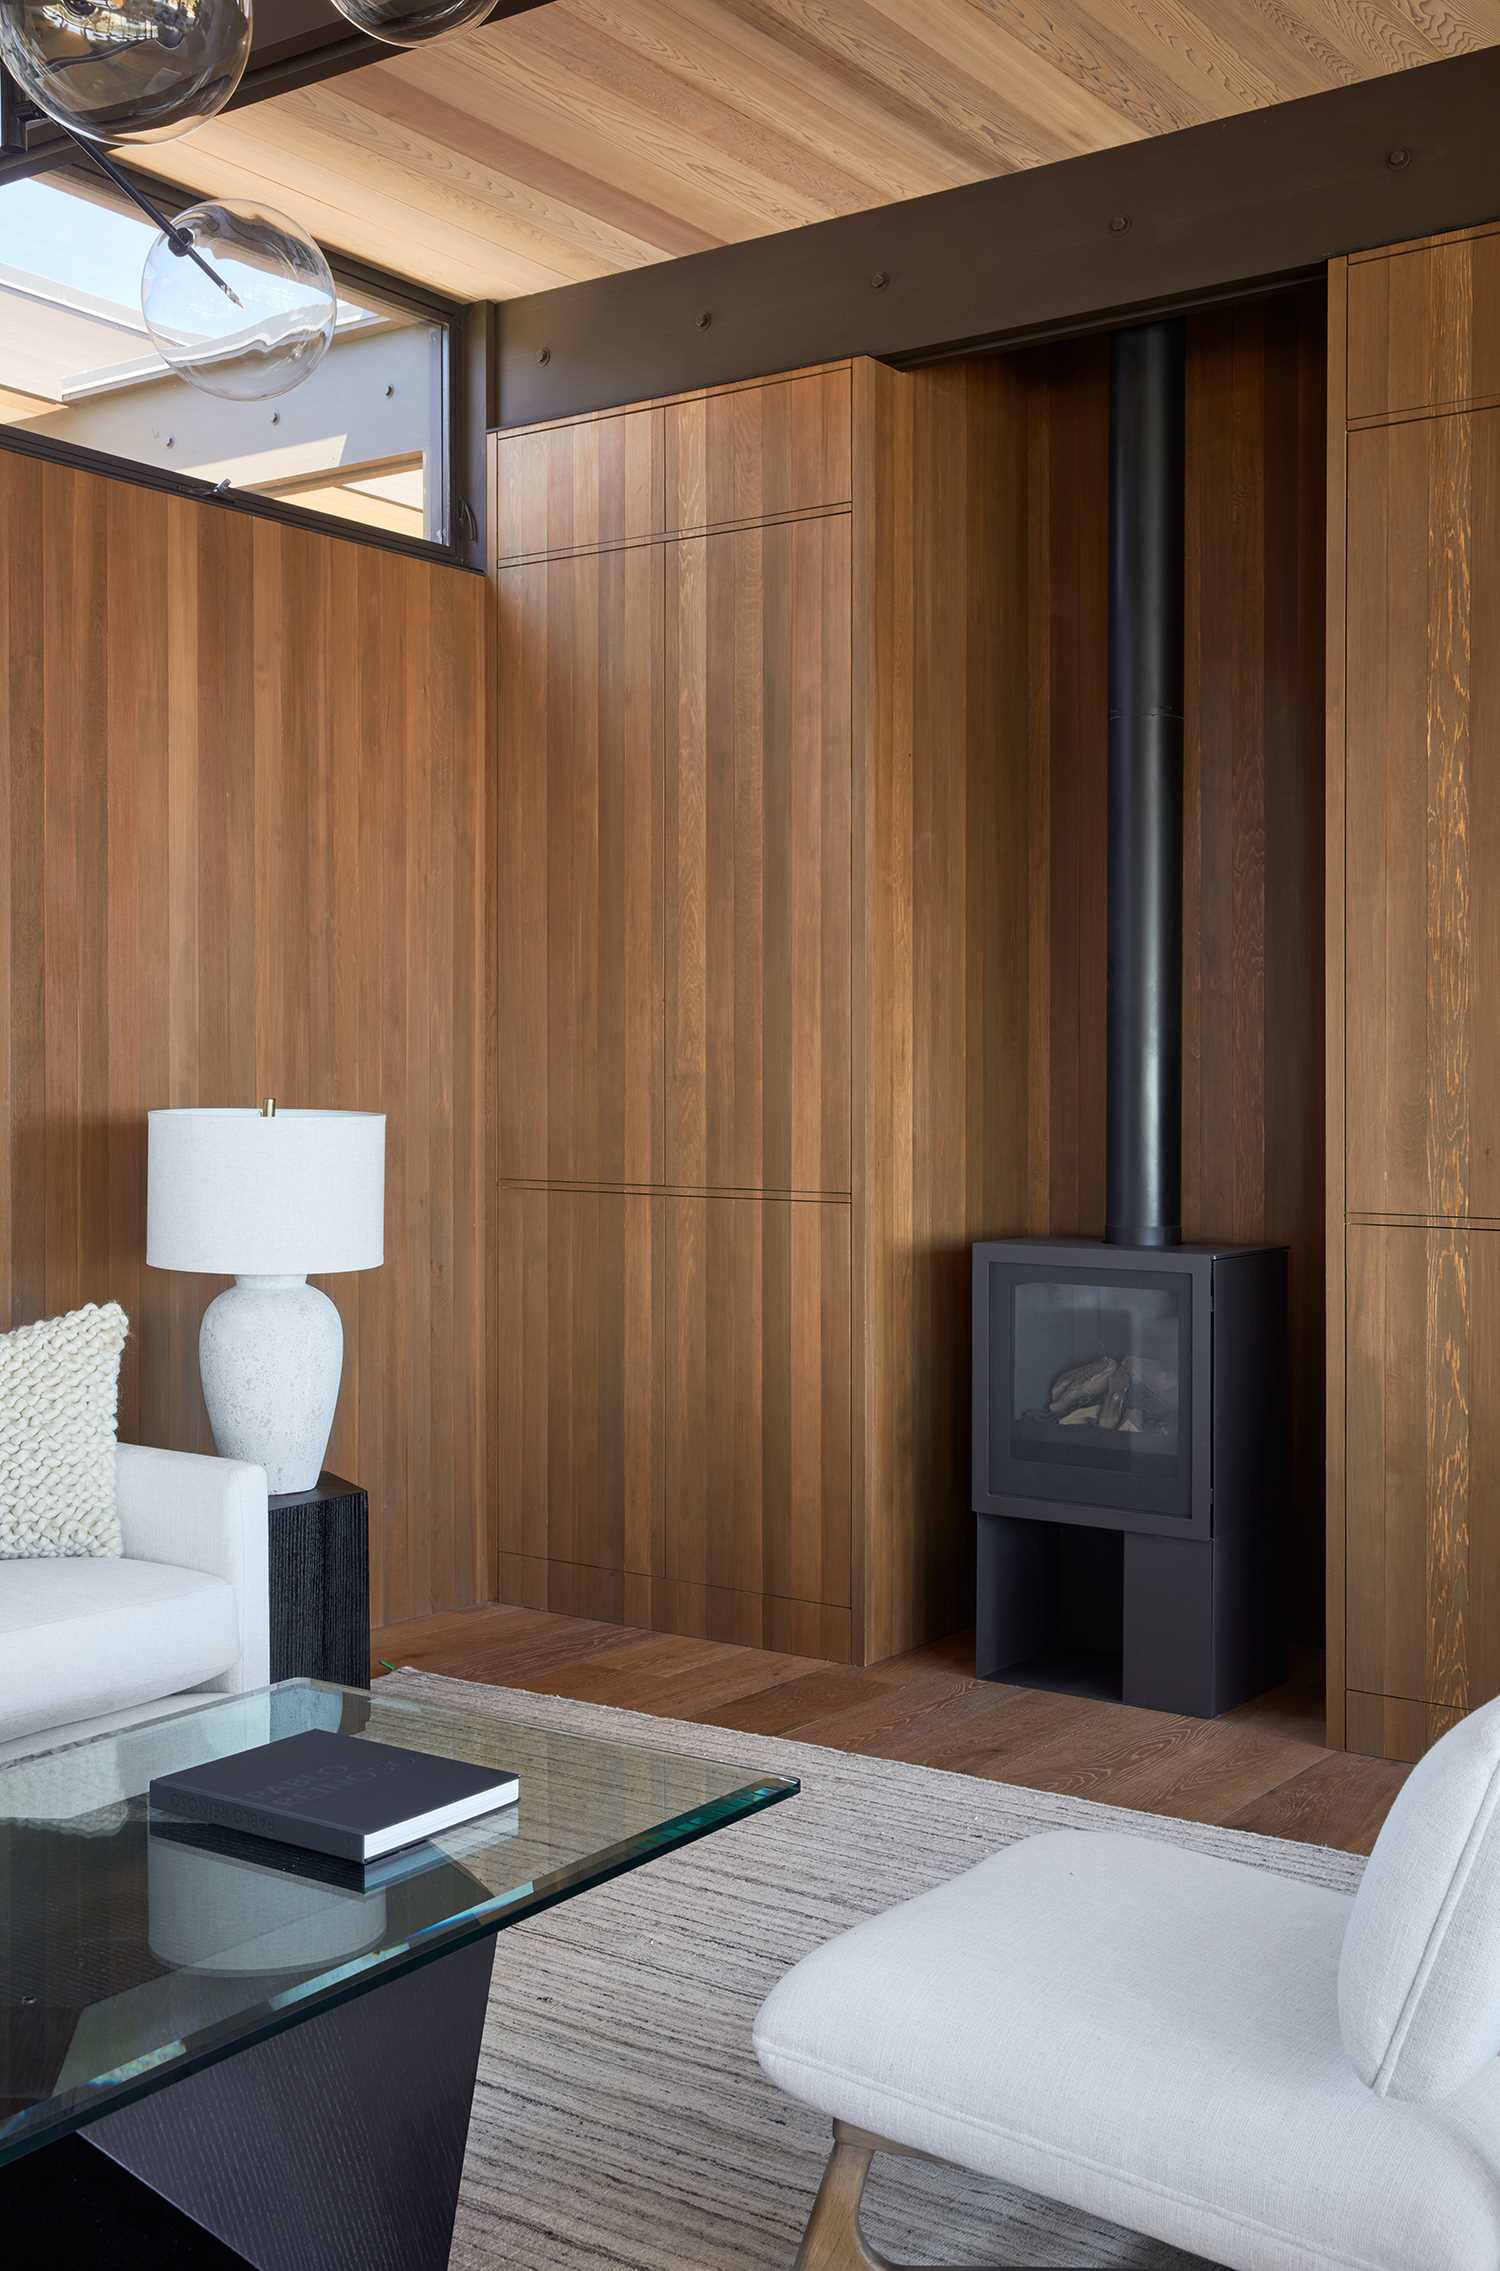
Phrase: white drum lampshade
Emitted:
{"points": [[267, 1197]]}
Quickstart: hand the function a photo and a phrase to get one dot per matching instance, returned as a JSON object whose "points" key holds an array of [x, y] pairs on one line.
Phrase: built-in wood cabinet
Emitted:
{"points": [[751, 453], [580, 902], [580, 1344], [760, 863], [1423, 1577], [758, 1403], [759, 858], [570, 488], [1414, 967], [1423, 326], [1423, 816]]}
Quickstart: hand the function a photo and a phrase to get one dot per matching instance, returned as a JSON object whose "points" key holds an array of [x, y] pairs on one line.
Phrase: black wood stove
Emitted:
{"points": [[1130, 1421]]}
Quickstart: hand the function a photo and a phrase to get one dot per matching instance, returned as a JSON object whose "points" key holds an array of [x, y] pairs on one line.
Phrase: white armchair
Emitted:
{"points": [[1267, 2073], [90, 1644]]}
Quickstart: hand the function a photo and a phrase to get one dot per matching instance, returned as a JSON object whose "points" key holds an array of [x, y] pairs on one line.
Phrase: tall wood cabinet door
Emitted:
{"points": [[565, 488], [580, 858], [758, 1398], [758, 858], [752, 452], [1423, 1464], [1423, 825], [581, 1317]]}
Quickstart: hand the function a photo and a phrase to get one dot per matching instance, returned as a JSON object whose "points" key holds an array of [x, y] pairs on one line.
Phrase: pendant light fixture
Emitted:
{"points": [[251, 313], [413, 23], [136, 71]]}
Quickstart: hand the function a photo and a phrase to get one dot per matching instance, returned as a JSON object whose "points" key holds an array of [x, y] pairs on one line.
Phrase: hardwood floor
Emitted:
{"points": [[1263, 1767]]}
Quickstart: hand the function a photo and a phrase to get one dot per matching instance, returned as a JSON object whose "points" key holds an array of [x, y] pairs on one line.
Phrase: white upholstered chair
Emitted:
{"points": [[1264, 2072]]}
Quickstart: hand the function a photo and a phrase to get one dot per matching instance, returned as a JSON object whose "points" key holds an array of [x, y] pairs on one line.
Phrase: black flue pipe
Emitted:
{"points": [[1144, 1174]]}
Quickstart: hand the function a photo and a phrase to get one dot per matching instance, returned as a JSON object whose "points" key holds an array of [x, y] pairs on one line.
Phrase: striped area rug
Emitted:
{"points": [[620, 2118]]}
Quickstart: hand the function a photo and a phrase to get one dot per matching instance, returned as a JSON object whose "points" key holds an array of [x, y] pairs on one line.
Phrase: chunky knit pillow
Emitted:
{"points": [[58, 1384]]}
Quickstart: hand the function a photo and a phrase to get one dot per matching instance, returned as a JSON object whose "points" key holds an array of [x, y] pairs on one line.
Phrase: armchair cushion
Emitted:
{"points": [[1419, 1978], [79, 1638]]}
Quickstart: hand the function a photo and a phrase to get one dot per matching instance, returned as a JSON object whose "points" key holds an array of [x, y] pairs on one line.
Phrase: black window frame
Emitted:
{"points": [[467, 344]]}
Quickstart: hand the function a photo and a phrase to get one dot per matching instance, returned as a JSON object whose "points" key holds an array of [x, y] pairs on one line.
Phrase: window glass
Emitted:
{"points": [[362, 438]]}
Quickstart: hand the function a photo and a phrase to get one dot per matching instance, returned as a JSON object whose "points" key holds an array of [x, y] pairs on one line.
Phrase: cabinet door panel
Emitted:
{"points": [[756, 451], [563, 488], [1424, 326], [581, 1319], [1423, 826], [1422, 1453], [580, 787], [758, 1389], [758, 851]]}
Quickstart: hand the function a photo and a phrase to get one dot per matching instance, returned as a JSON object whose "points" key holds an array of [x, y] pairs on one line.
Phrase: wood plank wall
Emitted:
{"points": [[1413, 965], [945, 954], [1253, 820], [243, 842]]}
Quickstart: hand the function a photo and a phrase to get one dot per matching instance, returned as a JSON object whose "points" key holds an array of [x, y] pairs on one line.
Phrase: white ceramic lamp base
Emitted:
{"points": [[271, 1350]]}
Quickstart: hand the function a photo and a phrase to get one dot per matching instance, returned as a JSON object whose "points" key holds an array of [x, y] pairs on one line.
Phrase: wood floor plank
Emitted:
{"points": [[1201, 1772], [1342, 1801], [1260, 1768], [820, 1695], [889, 1713]]}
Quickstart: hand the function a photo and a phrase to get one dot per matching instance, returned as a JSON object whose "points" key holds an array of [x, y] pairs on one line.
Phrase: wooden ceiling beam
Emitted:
{"points": [[1179, 216]]}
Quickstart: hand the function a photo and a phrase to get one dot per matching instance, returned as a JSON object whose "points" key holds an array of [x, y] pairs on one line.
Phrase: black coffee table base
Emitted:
{"points": [[336, 2146]]}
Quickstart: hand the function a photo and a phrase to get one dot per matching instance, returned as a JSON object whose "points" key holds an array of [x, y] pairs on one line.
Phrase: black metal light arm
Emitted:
{"points": [[177, 238]]}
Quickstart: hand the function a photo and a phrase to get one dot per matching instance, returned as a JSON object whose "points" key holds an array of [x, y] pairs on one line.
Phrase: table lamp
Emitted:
{"points": [[267, 1196]]}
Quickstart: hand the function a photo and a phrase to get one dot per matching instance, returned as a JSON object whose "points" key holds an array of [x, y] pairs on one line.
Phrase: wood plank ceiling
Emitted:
{"points": [[591, 136]]}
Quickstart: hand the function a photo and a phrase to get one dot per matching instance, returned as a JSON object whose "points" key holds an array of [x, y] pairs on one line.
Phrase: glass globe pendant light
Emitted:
{"points": [[126, 70], [412, 23], [238, 300]]}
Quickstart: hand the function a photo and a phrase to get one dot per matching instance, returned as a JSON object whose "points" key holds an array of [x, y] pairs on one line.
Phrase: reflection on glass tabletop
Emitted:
{"points": [[134, 1949]]}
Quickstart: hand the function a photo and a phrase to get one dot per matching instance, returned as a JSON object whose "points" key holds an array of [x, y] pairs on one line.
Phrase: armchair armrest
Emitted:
{"points": [[210, 1514]]}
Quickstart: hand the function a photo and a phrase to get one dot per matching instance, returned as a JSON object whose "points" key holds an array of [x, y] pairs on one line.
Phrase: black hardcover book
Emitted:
{"points": [[337, 1794]]}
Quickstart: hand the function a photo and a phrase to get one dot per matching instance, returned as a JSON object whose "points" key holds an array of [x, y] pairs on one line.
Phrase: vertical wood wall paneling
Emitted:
{"points": [[942, 874], [674, 882], [1252, 933], [1424, 326], [1066, 599], [1421, 846], [752, 453], [1253, 1109], [575, 487], [1335, 1066], [758, 1422], [758, 858], [245, 839], [1425, 954], [1423, 1582], [580, 1413], [580, 879]]}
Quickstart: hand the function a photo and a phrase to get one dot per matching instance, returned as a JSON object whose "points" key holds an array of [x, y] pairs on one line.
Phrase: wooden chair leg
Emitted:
{"points": [[833, 2240]]}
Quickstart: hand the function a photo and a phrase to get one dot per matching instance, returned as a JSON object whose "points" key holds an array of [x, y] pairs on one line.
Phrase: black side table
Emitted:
{"points": [[319, 1555]]}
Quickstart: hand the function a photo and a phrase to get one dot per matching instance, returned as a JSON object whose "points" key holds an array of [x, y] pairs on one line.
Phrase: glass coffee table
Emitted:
{"points": [[215, 2051]]}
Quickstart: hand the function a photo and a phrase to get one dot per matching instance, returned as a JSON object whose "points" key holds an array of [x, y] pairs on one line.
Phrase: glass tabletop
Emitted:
{"points": [[134, 1948]]}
